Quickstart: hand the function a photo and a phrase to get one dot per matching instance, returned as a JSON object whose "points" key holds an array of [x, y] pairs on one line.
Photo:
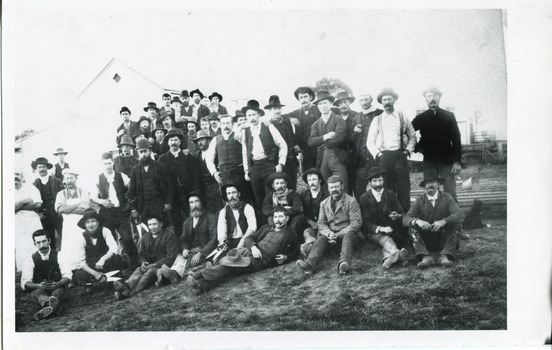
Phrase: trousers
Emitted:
{"points": [[42, 296], [212, 276], [116, 219], [443, 241], [332, 165], [258, 172], [397, 178], [139, 280], [347, 242], [81, 277], [444, 172]]}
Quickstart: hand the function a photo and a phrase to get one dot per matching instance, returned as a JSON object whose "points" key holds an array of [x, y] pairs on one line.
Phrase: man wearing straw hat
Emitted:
{"points": [[61, 164]]}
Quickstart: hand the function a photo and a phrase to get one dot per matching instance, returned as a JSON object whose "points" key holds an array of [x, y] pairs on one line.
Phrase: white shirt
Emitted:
{"points": [[211, 153], [385, 133], [112, 194], [377, 194], [81, 249], [432, 199], [257, 152], [222, 226], [28, 270]]}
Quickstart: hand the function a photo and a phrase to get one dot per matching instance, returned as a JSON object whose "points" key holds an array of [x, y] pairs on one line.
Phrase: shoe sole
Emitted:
{"points": [[303, 266], [343, 268], [43, 313]]}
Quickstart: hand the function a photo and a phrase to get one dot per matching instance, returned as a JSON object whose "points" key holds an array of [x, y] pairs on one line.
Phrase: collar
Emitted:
{"points": [[393, 114], [44, 179], [376, 193], [45, 256], [175, 154], [315, 194], [433, 197], [369, 110]]}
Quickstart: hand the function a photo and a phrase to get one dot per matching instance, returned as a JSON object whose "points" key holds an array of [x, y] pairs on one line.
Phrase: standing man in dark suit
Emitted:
{"points": [[343, 101], [128, 127], [362, 159], [440, 140], [126, 159], [61, 164], [198, 110], [209, 187]]}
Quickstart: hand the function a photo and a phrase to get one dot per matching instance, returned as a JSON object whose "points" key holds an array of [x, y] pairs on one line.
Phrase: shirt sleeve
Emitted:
{"points": [[27, 273], [80, 254], [210, 156], [110, 241], [280, 143], [244, 155], [250, 216], [372, 135], [60, 200], [65, 269], [35, 194], [410, 134], [221, 226], [126, 179]]}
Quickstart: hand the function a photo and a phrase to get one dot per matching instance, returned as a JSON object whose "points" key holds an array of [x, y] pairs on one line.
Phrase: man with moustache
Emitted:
{"points": [[286, 130], [303, 118], [214, 124], [433, 220], [189, 136], [209, 187], [48, 186], [343, 101], [114, 210], [61, 164], [45, 277], [440, 140], [236, 220], [271, 246], [126, 159], [158, 146], [263, 151], [226, 148], [329, 134], [150, 190], [183, 174], [128, 127], [362, 159], [198, 240], [152, 112], [391, 140], [382, 219], [281, 196], [176, 106], [186, 111], [198, 109], [216, 99], [339, 221]]}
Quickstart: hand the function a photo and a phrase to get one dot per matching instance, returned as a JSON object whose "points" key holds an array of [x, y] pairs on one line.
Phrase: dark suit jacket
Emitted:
{"points": [[306, 119], [311, 211], [445, 209], [183, 171], [292, 198], [289, 247], [56, 185], [135, 192], [133, 128], [372, 217], [162, 250], [361, 155], [222, 110], [440, 137], [205, 239]]}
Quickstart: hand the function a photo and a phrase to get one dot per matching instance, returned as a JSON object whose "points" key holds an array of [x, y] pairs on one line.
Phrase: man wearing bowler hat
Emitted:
{"points": [[283, 196], [236, 220], [329, 134], [152, 112], [151, 189], [433, 220], [440, 140], [271, 246], [128, 127], [303, 118], [61, 164], [382, 219], [362, 158], [209, 186], [183, 174], [339, 222], [185, 98], [216, 98], [48, 186], [126, 159], [198, 110], [343, 101], [285, 129], [214, 124], [391, 140]]}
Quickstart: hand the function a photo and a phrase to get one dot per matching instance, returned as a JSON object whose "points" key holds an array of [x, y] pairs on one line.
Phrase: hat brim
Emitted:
{"points": [[246, 108], [440, 181], [241, 261], [128, 144], [196, 139], [146, 109], [196, 92], [215, 95], [351, 99], [270, 179], [82, 220], [304, 91], [380, 96], [274, 105], [379, 173], [55, 154], [48, 165], [330, 98], [223, 190], [313, 171]]}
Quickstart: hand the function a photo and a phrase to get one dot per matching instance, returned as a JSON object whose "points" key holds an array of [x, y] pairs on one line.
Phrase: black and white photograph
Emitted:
{"points": [[255, 174]]}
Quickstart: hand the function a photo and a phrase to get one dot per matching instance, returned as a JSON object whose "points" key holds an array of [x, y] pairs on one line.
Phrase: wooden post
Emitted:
{"points": [[500, 152]]}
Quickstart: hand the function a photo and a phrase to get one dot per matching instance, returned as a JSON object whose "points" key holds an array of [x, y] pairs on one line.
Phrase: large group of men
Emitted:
{"points": [[196, 194]]}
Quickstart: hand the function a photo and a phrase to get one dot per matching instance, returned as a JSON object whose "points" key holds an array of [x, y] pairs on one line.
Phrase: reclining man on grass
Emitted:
{"points": [[268, 247]]}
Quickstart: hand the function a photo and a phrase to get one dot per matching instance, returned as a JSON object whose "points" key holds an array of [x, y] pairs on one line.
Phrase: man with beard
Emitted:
{"points": [[61, 164], [128, 127], [271, 246], [263, 151], [182, 173], [440, 140], [189, 136], [381, 220], [329, 134], [286, 130], [236, 220], [159, 247], [198, 109], [227, 149], [281, 196], [362, 159], [391, 140], [216, 99], [343, 101], [97, 251], [306, 224], [114, 211], [151, 189], [126, 160], [303, 118], [209, 186], [198, 240], [339, 221], [185, 98], [214, 124], [45, 277], [433, 220], [48, 186]]}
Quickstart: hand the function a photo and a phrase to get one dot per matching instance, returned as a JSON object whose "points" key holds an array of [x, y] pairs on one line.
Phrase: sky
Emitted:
{"points": [[54, 49]]}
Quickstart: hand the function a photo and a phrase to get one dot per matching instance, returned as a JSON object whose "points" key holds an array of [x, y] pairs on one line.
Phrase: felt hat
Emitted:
{"points": [[434, 90], [225, 186], [136, 134], [313, 171], [69, 171], [277, 175], [342, 96], [213, 116], [173, 133], [188, 121], [142, 118], [88, 214], [254, 105], [143, 144], [151, 105], [196, 91], [202, 134], [431, 175], [234, 259], [238, 114], [323, 95], [184, 93], [126, 140], [150, 216], [375, 172], [165, 114], [334, 178], [215, 94], [43, 161], [385, 92], [159, 127], [124, 109], [304, 90], [176, 99], [273, 101], [60, 151]]}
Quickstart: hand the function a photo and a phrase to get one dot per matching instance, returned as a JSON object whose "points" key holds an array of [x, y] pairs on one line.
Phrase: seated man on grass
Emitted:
{"points": [[268, 247], [44, 277], [159, 247]]}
